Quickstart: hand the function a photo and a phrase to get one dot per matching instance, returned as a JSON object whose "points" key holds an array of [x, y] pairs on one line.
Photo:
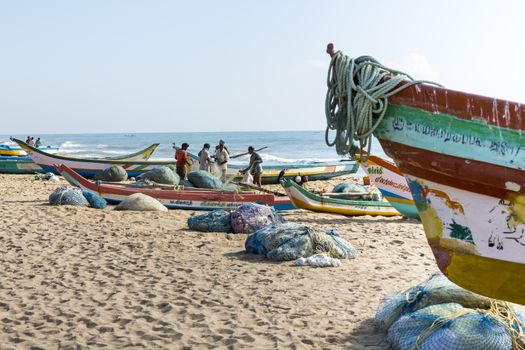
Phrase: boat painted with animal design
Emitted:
{"points": [[314, 170], [391, 183], [174, 198], [25, 165], [463, 156], [303, 199], [88, 167]]}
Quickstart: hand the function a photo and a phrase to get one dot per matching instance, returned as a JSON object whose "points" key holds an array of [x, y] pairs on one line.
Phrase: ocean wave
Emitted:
{"points": [[70, 144]]}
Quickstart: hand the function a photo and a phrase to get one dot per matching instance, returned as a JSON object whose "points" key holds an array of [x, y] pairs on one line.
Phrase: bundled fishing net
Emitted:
{"points": [[161, 175], [203, 179], [141, 202], [291, 241], [436, 290], [250, 217], [95, 201], [215, 221], [451, 326], [349, 187], [185, 183], [114, 173], [66, 195], [47, 176]]}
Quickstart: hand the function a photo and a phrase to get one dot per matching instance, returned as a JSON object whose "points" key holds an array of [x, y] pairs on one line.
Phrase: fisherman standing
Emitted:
{"points": [[222, 157], [181, 155], [205, 161], [255, 166]]}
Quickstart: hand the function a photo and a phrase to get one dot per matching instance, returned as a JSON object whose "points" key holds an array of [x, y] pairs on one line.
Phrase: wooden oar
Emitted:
{"points": [[245, 153], [253, 187]]}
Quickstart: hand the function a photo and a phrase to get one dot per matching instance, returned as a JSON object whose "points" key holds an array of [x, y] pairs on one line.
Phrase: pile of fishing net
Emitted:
{"points": [[66, 195], [115, 173], [141, 202], [164, 175], [291, 241], [438, 314], [47, 177], [250, 217], [246, 218], [214, 221], [350, 187], [203, 179]]}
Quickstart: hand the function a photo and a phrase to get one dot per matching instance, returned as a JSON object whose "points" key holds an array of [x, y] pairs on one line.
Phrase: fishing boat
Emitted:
{"points": [[391, 183], [303, 199], [463, 156], [25, 165], [175, 198], [7, 150], [88, 167], [314, 170]]}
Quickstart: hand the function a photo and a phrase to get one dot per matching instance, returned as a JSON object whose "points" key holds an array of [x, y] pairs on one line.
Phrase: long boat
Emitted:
{"points": [[391, 183], [88, 167], [7, 150], [314, 170], [173, 198], [464, 158], [303, 199], [25, 165]]}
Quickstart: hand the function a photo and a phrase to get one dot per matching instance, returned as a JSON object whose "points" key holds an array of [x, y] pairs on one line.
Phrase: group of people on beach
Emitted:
{"points": [[220, 160], [31, 141]]}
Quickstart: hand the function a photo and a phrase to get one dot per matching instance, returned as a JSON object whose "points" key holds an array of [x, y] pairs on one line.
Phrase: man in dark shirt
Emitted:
{"points": [[255, 166]]}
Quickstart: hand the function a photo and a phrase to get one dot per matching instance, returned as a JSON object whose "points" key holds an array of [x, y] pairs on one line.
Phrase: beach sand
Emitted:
{"points": [[74, 277]]}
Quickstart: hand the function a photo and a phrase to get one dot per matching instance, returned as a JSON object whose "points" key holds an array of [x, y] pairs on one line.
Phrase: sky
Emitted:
{"points": [[104, 66]]}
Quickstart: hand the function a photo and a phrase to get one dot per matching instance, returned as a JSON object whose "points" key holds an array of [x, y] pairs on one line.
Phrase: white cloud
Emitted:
{"points": [[416, 65]]}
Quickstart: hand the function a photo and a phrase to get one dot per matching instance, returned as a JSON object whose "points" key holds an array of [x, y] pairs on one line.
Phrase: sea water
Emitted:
{"points": [[284, 147]]}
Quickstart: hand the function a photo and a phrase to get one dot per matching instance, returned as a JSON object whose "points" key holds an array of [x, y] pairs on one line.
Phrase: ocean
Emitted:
{"points": [[283, 146]]}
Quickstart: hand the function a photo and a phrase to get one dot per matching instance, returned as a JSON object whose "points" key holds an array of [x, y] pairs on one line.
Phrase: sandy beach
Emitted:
{"points": [[75, 277]]}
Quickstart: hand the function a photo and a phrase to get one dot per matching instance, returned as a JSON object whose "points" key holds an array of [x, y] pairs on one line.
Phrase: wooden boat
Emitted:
{"points": [[25, 165], [6, 150], [88, 167], [391, 183], [464, 158], [314, 170], [176, 199], [303, 199]]}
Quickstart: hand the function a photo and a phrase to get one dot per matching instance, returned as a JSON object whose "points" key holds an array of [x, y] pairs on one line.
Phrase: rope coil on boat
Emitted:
{"points": [[357, 100]]}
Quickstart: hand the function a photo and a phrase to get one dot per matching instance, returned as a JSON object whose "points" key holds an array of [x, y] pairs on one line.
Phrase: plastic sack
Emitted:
{"points": [[247, 179], [114, 173], [215, 221], [65, 195], [250, 217], [141, 202], [318, 260]]}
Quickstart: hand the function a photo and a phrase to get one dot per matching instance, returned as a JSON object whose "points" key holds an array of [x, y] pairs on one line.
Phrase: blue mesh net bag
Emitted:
{"points": [[204, 179], [114, 173], [347, 187], [451, 326], [215, 221], [161, 175], [65, 195], [95, 201], [251, 217], [290, 241], [436, 290]]}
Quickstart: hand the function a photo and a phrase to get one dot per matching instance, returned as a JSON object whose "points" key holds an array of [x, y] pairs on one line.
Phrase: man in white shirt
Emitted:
{"points": [[205, 161], [222, 157]]}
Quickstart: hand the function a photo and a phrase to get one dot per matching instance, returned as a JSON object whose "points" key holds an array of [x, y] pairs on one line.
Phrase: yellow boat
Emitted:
{"points": [[304, 199]]}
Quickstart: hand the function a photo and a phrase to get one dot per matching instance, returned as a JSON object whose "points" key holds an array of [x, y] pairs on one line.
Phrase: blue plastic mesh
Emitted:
{"points": [[215, 221]]}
